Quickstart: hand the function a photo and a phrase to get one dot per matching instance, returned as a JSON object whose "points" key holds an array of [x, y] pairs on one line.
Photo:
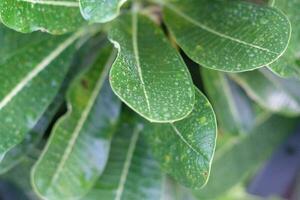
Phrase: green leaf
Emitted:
{"points": [[185, 148], [271, 92], [32, 138], [31, 76], [231, 36], [100, 10], [234, 110], [288, 65], [12, 41], [242, 155], [77, 150], [131, 173], [149, 75], [32, 15]]}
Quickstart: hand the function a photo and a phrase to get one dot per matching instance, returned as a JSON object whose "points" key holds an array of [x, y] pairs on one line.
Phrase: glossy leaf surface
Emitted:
{"points": [[32, 15], [148, 74], [100, 10], [229, 36], [34, 136], [32, 68], [289, 64], [78, 148], [185, 148], [271, 92], [131, 173]]}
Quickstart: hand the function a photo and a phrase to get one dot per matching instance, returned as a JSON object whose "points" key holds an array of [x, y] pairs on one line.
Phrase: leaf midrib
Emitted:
{"points": [[127, 164], [36, 70], [215, 32], [82, 120], [137, 58], [178, 133]]}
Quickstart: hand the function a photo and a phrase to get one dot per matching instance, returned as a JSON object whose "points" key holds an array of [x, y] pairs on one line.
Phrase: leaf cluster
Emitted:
{"points": [[125, 99]]}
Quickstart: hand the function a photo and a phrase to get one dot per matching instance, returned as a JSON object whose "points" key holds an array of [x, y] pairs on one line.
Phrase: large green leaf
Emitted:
{"points": [[100, 10], [32, 15], [234, 110], [34, 136], [228, 35], [270, 91], [289, 64], [31, 76], [12, 41], [185, 148], [149, 75], [131, 173], [234, 161], [78, 148]]}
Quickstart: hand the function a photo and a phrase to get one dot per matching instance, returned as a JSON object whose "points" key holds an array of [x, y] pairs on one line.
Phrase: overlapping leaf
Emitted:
{"points": [[185, 148], [270, 91], [289, 64], [34, 136], [131, 173], [230, 36], [32, 67], [78, 148], [56, 17], [100, 10], [234, 110], [242, 155], [149, 75]]}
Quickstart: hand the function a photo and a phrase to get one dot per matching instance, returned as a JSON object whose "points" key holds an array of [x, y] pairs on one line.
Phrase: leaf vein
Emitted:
{"points": [[188, 144], [126, 167], [206, 28], [82, 119], [136, 55], [40, 67]]}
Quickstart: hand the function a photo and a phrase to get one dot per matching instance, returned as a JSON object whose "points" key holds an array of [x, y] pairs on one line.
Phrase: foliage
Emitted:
{"points": [[67, 66]]}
